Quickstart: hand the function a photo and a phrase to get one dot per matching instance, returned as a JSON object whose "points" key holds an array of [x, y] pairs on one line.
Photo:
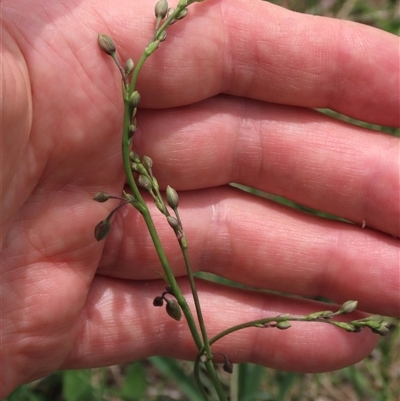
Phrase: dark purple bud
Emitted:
{"points": [[102, 229]]}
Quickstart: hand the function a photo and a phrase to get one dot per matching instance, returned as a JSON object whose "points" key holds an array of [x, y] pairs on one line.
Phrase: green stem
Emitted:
{"points": [[143, 209], [196, 302], [149, 222]]}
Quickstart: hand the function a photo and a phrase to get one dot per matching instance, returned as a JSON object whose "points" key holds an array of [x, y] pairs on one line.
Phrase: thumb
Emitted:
{"points": [[15, 123]]}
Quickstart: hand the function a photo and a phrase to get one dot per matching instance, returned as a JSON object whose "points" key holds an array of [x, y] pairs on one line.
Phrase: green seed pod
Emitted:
{"points": [[182, 14], [170, 11], [162, 36], [161, 9], [173, 309], [328, 314], [348, 307], [381, 330], [172, 197], [134, 99], [147, 162], [129, 66], [173, 222], [151, 48], [101, 197], [134, 157], [283, 325], [144, 182], [346, 326], [106, 44], [102, 229]]}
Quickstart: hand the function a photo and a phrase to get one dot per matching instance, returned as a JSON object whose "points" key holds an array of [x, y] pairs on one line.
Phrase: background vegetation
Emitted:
{"points": [[377, 378]]}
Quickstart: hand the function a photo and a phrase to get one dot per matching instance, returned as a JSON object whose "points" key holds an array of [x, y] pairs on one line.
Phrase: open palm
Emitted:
{"points": [[227, 98]]}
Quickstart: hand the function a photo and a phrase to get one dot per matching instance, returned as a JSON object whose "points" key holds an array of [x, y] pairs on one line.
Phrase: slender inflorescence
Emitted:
{"points": [[138, 171]]}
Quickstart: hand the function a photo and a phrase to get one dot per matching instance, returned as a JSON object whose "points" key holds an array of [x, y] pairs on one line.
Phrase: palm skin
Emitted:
{"points": [[227, 97]]}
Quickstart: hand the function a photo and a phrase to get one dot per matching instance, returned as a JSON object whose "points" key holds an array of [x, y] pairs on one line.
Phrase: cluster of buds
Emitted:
{"points": [[375, 322], [103, 228]]}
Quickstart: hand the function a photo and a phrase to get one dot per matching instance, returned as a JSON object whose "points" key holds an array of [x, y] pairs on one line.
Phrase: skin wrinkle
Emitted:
{"points": [[230, 65], [374, 191]]}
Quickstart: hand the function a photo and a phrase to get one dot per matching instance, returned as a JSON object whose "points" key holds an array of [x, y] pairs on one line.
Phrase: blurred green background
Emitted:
{"points": [[377, 378]]}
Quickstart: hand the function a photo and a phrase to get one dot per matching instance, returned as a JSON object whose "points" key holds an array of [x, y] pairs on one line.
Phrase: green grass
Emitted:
{"points": [[377, 378]]}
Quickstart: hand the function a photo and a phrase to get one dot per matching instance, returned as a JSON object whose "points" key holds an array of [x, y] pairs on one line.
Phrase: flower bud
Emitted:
{"points": [[182, 14], [173, 222], [102, 229], [147, 162], [227, 366], [172, 197], [158, 301], [346, 326], [106, 44], [151, 48], [101, 197], [134, 157], [161, 9], [283, 325], [173, 309], [134, 99], [129, 66], [170, 11], [348, 307], [144, 182]]}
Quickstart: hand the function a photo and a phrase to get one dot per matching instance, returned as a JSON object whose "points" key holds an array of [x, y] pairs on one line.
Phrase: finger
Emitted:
{"points": [[293, 152], [260, 244], [121, 325], [251, 49], [15, 121]]}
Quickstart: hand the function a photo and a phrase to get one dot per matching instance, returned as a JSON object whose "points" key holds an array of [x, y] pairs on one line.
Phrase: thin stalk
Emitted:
{"points": [[196, 302], [143, 209], [149, 222]]}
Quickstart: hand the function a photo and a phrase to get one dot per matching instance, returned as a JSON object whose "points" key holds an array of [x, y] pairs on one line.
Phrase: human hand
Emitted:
{"points": [[226, 98]]}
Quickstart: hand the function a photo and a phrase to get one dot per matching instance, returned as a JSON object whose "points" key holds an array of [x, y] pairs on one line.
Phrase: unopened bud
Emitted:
{"points": [[172, 197], [173, 309], [158, 301], [147, 162], [129, 66], [283, 325], [161, 9], [346, 326], [102, 229], [227, 366], [182, 14], [134, 99], [173, 222], [101, 197], [106, 44], [144, 182], [348, 307], [170, 11], [151, 48], [134, 157]]}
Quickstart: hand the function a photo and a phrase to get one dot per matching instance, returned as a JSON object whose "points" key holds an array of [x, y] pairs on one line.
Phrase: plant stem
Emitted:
{"points": [[143, 209]]}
